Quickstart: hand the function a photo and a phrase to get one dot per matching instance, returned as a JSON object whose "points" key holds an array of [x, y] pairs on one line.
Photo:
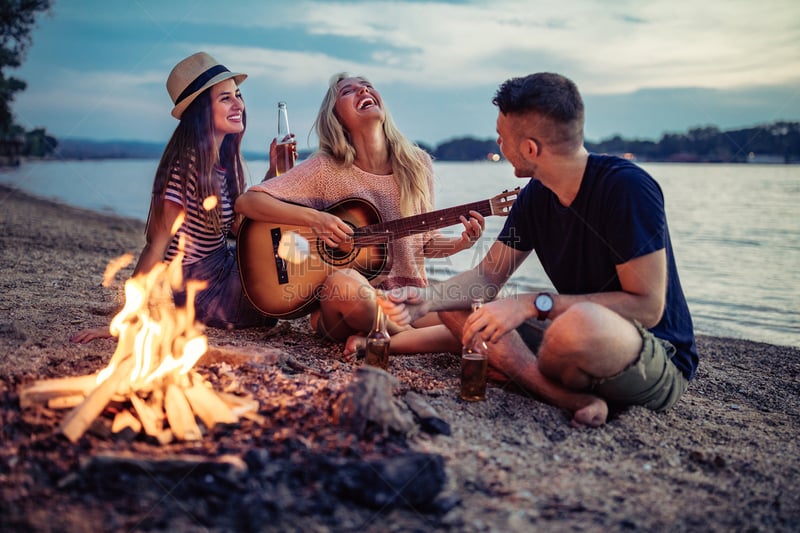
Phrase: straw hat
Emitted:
{"points": [[194, 75]]}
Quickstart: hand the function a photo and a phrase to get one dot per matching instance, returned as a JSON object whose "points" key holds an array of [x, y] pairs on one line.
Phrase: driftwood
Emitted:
{"points": [[103, 461], [241, 355], [368, 400], [428, 417]]}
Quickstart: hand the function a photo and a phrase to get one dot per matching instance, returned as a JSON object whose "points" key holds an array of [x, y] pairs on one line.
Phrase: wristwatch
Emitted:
{"points": [[544, 304]]}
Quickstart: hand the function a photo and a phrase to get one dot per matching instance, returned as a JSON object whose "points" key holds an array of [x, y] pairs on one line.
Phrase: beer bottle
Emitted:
{"points": [[377, 352], [474, 363], [286, 145]]}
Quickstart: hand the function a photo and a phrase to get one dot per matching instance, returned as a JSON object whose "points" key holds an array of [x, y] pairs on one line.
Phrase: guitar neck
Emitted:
{"points": [[442, 218]]}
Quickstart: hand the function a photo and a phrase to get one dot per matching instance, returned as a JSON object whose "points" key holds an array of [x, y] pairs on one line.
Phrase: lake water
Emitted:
{"points": [[735, 229]]}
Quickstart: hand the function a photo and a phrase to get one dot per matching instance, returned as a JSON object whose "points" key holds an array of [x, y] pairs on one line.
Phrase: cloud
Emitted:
{"points": [[609, 47], [438, 63]]}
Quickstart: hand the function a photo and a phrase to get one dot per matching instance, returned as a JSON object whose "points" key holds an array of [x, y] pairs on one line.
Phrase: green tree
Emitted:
{"points": [[17, 18], [38, 143]]}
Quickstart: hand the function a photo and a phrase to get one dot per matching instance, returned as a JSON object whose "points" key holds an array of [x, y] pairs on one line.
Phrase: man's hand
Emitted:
{"points": [[404, 305], [495, 319]]}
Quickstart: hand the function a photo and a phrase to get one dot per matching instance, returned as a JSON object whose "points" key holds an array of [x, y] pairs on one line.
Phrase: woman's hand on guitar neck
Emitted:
{"points": [[473, 229], [442, 246]]}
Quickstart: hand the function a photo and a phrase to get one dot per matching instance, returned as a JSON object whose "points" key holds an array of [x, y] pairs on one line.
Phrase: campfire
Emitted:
{"points": [[149, 382]]}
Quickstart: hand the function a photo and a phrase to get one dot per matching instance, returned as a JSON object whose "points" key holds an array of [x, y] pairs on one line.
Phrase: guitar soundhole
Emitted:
{"points": [[343, 255]]}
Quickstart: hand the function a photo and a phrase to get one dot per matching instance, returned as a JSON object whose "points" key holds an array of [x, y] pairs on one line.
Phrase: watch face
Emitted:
{"points": [[544, 302]]}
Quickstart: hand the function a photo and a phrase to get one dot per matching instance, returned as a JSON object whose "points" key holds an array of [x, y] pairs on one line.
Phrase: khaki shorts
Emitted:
{"points": [[652, 381]]}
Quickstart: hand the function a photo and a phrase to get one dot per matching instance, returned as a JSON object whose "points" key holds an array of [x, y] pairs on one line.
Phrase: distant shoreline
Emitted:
{"points": [[776, 143]]}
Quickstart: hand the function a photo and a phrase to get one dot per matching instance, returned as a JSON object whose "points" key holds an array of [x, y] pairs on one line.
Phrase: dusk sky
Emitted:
{"points": [[97, 69]]}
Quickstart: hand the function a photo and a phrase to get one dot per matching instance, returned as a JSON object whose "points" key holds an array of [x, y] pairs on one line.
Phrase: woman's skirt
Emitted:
{"points": [[223, 303]]}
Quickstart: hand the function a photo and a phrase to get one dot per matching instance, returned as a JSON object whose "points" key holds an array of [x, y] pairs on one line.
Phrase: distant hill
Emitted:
{"points": [[92, 149], [778, 142]]}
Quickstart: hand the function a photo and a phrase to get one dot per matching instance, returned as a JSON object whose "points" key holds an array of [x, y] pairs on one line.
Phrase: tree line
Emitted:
{"points": [[776, 142], [17, 18]]}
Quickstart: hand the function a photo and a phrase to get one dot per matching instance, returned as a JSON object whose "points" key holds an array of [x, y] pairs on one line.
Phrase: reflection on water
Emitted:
{"points": [[735, 229]]}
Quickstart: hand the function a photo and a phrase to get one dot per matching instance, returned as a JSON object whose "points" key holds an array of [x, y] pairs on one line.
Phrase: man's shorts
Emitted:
{"points": [[652, 381]]}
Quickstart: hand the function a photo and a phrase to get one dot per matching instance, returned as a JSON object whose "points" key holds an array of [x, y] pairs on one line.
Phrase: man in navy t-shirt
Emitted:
{"points": [[617, 329]]}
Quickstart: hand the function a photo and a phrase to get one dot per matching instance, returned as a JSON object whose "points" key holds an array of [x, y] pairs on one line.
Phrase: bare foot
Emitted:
{"points": [[593, 414], [352, 346], [497, 376]]}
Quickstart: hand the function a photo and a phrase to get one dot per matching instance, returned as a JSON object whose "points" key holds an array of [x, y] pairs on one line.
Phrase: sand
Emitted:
{"points": [[725, 458]]}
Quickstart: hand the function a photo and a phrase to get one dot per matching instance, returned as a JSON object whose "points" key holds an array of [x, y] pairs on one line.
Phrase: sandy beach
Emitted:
{"points": [[726, 458]]}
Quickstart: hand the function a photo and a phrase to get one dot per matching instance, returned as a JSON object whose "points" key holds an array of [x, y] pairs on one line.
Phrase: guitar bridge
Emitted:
{"points": [[280, 264]]}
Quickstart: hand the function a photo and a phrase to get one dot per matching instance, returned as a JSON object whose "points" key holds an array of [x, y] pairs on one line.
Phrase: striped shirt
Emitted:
{"points": [[201, 238]]}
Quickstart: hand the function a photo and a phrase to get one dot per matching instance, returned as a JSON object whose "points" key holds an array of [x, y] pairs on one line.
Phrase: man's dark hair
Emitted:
{"points": [[549, 96]]}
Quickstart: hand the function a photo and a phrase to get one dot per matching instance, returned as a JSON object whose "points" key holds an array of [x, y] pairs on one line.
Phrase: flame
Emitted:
{"points": [[164, 340], [114, 266]]}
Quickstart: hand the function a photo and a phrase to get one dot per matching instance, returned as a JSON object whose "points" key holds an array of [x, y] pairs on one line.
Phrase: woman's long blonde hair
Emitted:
{"points": [[408, 160]]}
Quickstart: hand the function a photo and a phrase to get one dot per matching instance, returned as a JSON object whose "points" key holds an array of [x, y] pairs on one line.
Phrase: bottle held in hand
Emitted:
{"points": [[286, 145], [474, 364]]}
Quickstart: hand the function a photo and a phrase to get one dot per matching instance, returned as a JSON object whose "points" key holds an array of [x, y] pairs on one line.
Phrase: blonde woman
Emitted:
{"points": [[361, 155]]}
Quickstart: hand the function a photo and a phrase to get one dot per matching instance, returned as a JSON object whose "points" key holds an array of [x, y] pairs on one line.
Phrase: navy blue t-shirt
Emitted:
{"points": [[618, 215]]}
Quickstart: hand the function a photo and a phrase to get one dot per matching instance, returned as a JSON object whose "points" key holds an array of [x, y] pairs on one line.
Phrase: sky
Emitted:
{"points": [[97, 68]]}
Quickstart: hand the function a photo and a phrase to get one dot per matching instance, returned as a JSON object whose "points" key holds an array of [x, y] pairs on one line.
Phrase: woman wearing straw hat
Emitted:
{"points": [[199, 177]]}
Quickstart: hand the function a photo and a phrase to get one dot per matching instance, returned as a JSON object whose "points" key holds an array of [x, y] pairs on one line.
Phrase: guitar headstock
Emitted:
{"points": [[501, 204]]}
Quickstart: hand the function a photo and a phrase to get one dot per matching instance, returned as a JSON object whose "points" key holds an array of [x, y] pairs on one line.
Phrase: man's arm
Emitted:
{"points": [[644, 290], [642, 298], [484, 281]]}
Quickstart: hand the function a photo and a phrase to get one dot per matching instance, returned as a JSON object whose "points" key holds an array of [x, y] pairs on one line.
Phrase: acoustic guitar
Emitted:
{"points": [[282, 267]]}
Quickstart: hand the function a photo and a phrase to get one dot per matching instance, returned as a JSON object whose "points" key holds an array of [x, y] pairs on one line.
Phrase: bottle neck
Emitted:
{"points": [[283, 122], [380, 319]]}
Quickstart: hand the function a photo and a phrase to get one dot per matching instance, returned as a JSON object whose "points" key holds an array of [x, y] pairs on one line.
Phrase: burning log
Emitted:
{"points": [[180, 414], [124, 420], [158, 345], [209, 407], [80, 418], [50, 390], [429, 419]]}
